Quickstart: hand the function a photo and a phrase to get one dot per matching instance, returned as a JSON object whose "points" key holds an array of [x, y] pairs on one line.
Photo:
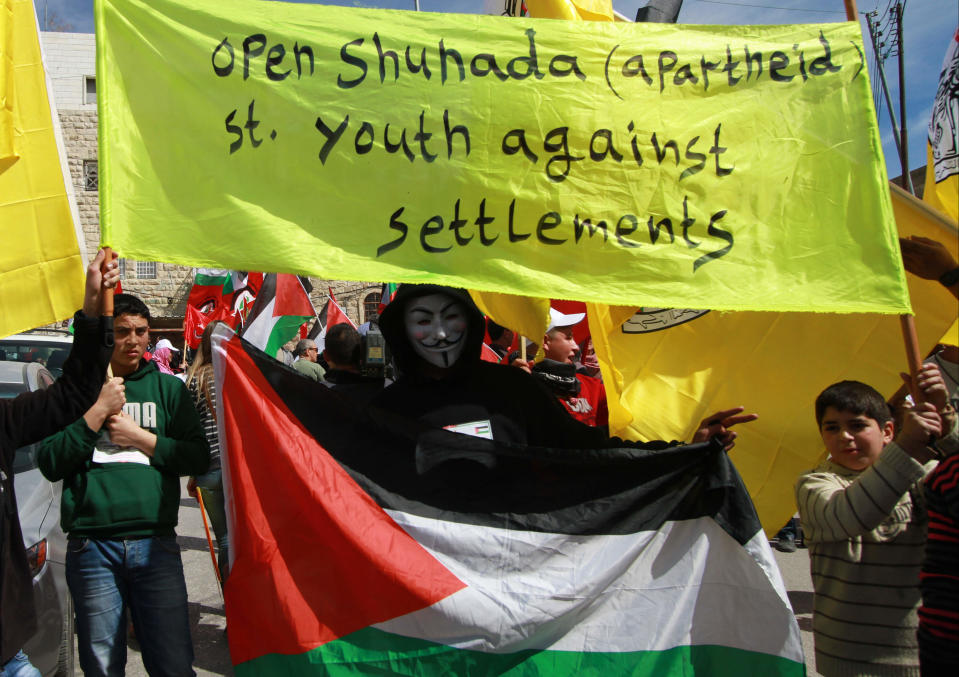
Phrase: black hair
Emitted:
{"points": [[343, 344], [494, 330], [128, 304], [856, 398]]}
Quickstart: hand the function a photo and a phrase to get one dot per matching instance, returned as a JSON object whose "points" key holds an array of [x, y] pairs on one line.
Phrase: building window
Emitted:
{"points": [[91, 175], [146, 270], [371, 305], [122, 265], [90, 89]]}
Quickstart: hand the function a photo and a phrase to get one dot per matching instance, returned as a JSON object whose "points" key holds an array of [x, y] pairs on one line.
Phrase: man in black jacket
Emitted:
{"points": [[29, 418], [435, 335]]}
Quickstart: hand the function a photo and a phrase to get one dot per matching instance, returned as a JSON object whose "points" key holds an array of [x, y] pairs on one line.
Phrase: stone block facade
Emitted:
{"points": [[70, 59]]}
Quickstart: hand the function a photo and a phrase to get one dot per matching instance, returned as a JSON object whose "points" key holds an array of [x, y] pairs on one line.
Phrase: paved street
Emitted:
{"points": [[208, 623], [795, 570]]}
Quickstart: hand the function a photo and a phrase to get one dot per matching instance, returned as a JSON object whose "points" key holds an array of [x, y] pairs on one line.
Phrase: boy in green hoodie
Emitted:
{"points": [[120, 465]]}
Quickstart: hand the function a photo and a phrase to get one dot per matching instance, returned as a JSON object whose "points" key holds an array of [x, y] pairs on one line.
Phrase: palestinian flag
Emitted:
{"points": [[280, 309], [571, 562], [331, 315], [387, 292]]}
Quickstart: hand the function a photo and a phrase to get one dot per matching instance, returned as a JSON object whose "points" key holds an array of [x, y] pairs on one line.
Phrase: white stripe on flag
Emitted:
{"points": [[258, 331], [689, 583]]}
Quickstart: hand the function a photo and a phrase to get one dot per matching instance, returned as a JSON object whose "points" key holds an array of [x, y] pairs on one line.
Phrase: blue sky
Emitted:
{"points": [[927, 27]]}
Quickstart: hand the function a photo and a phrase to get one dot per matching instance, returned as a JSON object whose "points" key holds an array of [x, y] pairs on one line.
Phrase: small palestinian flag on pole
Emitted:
{"points": [[280, 309], [347, 561], [386, 294], [331, 315]]}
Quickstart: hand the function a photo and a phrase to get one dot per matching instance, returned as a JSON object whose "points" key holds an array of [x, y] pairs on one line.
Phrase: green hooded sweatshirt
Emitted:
{"points": [[140, 497]]}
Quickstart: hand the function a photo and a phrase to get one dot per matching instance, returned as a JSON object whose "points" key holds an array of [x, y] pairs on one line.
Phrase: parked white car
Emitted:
{"points": [[49, 347]]}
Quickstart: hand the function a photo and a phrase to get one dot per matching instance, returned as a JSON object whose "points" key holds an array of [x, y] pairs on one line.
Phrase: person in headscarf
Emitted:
{"points": [[162, 354]]}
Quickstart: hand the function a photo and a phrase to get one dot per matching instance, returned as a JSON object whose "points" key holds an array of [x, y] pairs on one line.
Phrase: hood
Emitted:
{"points": [[407, 361]]}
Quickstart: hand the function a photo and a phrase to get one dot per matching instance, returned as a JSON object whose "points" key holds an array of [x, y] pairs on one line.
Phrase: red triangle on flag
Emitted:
{"points": [[314, 557], [291, 298], [335, 314]]}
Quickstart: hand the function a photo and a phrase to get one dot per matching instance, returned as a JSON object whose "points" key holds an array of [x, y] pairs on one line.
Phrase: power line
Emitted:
{"points": [[784, 9]]}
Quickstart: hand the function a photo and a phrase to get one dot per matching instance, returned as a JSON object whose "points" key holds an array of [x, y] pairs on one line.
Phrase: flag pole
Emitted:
{"points": [[106, 295], [209, 540], [908, 322]]}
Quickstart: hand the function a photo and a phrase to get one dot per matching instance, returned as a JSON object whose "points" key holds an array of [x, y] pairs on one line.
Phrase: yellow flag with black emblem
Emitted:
{"points": [[666, 369]]}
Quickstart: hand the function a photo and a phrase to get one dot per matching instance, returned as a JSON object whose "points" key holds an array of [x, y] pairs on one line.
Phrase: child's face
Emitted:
{"points": [[853, 440], [558, 344]]}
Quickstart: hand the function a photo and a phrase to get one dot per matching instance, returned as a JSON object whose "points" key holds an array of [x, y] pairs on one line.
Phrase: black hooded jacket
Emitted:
{"points": [[517, 408], [27, 419]]}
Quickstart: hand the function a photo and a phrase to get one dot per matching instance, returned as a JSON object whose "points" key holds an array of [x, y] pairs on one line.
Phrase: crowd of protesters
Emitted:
{"points": [[880, 515]]}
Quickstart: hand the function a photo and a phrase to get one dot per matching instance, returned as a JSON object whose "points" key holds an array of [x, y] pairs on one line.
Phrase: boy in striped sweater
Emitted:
{"points": [[866, 526]]}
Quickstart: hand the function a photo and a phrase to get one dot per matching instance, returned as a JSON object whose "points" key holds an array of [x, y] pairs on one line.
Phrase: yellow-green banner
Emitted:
{"points": [[647, 164]]}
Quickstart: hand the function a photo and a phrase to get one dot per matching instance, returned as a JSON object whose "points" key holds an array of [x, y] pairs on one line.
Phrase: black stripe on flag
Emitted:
{"points": [[615, 490]]}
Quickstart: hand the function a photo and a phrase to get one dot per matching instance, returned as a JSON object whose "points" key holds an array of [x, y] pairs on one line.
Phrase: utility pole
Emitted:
{"points": [[896, 135], [904, 152]]}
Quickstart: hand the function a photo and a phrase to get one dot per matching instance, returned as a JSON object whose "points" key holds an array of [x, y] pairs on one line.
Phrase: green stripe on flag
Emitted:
{"points": [[207, 280], [372, 651]]}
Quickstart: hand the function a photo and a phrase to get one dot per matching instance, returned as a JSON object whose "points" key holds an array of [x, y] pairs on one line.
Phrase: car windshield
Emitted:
{"points": [[51, 355]]}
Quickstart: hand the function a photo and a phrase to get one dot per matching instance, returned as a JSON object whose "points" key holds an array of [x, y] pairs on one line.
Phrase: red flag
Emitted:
{"points": [[487, 354], [193, 325], [196, 321]]}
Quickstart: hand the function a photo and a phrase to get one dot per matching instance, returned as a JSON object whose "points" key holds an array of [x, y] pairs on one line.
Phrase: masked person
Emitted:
{"points": [[435, 334]]}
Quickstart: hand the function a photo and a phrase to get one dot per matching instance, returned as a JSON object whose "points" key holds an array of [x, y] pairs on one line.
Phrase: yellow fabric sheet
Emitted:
{"points": [[644, 164], [660, 384], [41, 268]]}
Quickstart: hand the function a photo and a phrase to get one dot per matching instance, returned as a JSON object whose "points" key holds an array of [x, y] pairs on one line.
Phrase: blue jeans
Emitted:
{"points": [[19, 666], [214, 500], [106, 577]]}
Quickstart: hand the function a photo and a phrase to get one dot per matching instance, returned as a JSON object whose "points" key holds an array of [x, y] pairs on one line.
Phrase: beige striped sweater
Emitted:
{"points": [[866, 531]]}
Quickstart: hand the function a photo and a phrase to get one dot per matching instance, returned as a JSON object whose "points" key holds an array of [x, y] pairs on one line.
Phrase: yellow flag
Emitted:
{"points": [[41, 267], [8, 153], [588, 10], [665, 370], [524, 315], [590, 160], [942, 167]]}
